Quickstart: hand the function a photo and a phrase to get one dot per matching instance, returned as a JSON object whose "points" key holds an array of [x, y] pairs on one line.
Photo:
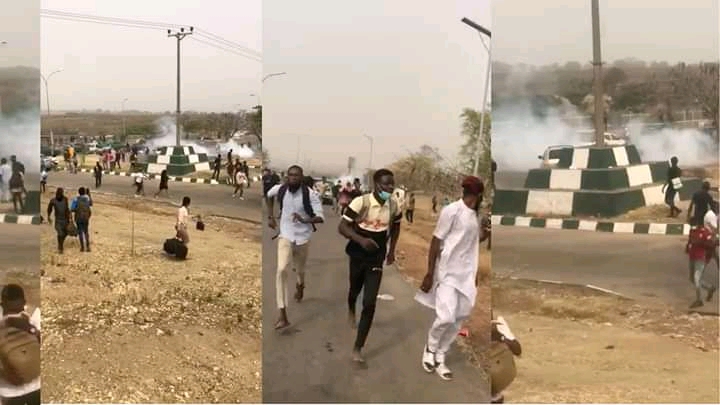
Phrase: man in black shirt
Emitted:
{"points": [[701, 202], [673, 175]]}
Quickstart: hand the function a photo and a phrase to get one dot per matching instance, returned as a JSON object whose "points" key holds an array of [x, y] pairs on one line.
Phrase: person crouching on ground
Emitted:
{"points": [[450, 285], [371, 223], [702, 239]]}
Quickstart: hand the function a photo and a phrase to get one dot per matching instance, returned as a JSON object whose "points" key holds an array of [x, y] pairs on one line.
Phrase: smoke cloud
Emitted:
{"points": [[20, 136], [165, 136], [691, 146]]}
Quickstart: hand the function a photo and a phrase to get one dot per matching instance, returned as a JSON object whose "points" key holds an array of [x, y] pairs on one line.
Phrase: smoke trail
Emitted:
{"points": [[166, 136]]}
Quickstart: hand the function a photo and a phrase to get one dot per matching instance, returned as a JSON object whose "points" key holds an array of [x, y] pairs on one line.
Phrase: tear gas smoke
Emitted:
{"points": [[165, 136], [20, 136], [691, 146]]}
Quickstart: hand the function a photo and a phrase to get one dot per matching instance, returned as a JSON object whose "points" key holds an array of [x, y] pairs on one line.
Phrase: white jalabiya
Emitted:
{"points": [[454, 290]]}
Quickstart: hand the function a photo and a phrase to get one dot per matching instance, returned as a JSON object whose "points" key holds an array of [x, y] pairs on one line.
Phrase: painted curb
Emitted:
{"points": [[157, 176], [21, 219], [588, 286], [638, 228]]}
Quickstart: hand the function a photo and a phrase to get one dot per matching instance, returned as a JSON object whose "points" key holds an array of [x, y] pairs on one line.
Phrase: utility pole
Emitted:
{"points": [[179, 35], [597, 77], [124, 125], [47, 98]]}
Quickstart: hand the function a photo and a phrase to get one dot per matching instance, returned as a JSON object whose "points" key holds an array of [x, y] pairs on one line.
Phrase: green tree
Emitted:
{"points": [[253, 121], [470, 133]]}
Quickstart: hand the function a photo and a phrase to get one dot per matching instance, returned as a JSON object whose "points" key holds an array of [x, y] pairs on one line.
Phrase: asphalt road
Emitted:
{"points": [[20, 247], [205, 198], [310, 362], [646, 267]]}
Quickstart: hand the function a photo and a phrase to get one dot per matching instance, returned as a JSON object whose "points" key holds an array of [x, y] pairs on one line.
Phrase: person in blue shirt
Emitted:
{"points": [[80, 206]]}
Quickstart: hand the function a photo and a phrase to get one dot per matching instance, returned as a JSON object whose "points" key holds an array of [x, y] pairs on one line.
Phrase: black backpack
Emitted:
{"points": [[305, 198], [175, 247]]}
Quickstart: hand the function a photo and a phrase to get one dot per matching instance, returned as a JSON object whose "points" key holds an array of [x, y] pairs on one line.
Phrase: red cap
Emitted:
{"points": [[473, 184]]}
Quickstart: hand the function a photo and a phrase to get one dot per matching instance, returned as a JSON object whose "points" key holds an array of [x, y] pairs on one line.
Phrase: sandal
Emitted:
{"points": [[281, 324], [299, 290]]}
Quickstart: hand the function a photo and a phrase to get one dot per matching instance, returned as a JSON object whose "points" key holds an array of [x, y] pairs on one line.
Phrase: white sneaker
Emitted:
{"points": [[443, 371], [428, 360]]}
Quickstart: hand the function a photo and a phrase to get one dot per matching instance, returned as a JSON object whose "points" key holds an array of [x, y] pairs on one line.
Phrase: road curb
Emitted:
{"points": [[588, 286], [192, 180], [640, 228], [21, 219]]}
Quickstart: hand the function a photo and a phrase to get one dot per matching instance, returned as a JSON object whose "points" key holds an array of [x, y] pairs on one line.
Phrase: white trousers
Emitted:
{"points": [[452, 308], [290, 257]]}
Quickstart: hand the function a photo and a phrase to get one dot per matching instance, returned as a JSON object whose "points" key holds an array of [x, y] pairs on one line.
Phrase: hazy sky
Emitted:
{"points": [[19, 27], [400, 71], [104, 64], [549, 31]]}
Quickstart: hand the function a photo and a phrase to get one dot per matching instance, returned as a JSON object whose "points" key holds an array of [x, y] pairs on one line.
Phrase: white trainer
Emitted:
{"points": [[443, 371]]}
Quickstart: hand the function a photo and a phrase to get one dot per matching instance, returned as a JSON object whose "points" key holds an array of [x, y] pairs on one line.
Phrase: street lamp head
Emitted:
{"points": [[182, 29], [169, 32], [3, 42], [192, 28]]}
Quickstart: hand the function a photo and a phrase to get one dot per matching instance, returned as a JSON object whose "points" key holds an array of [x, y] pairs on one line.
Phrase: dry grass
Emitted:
{"points": [[579, 342], [143, 327]]}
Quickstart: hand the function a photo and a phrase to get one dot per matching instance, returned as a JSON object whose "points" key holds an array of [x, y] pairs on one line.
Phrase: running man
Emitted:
{"points": [[370, 222], [450, 285], [672, 185], [300, 209], [702, 239]]}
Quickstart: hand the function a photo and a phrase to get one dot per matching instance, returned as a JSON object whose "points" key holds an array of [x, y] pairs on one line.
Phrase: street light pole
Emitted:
{"points": [[179, 35], [478, 148], [47, 99], [122, 112], [597, 77], [372, 144], [269, 75]]}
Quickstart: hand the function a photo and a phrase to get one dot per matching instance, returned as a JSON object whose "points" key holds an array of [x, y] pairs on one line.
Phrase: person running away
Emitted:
{"points": [[164, 179], [450, 284], [61, 208], [80, 206], [240, 184], [702, 238], [672, 185]]}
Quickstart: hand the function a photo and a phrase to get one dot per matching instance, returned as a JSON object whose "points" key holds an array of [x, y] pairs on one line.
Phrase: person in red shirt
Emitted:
{"points": [[700, 241]]}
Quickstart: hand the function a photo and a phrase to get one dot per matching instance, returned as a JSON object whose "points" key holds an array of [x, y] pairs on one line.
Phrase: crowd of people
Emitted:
{"points": [[370, 222]]}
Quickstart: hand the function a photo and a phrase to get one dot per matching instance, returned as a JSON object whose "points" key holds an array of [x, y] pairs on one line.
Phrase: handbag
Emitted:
{"points": [[502, 367], [676, 183]]}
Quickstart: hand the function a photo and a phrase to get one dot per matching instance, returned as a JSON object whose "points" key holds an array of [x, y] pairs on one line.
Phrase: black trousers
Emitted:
{"points": [[409, 215], [32, 398], [367, 274]]}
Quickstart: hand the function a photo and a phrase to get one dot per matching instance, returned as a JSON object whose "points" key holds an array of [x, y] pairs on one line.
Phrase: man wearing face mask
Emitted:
{"points": [[371, 223], [450, 285]]}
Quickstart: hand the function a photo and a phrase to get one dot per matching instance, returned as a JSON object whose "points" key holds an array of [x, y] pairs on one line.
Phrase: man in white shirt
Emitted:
{"points": [[183, 218], [300, 209], [450, 285], [13, 305]]}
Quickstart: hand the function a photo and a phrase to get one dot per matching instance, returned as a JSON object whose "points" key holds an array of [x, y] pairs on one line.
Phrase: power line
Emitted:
{"points": [[213, 40], [210, 35]]}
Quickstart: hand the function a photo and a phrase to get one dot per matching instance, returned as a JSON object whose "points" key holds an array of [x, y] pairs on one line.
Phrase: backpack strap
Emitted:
{"points": [[280, 197], [307, 205]]}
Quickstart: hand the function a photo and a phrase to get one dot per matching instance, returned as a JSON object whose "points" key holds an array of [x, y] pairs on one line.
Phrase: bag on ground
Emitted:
{"points": [[175, 247], [19, 353]]}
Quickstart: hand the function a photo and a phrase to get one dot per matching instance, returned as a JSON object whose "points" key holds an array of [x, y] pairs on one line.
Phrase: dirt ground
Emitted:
{"points": [[577, 342], [144, 328]]}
